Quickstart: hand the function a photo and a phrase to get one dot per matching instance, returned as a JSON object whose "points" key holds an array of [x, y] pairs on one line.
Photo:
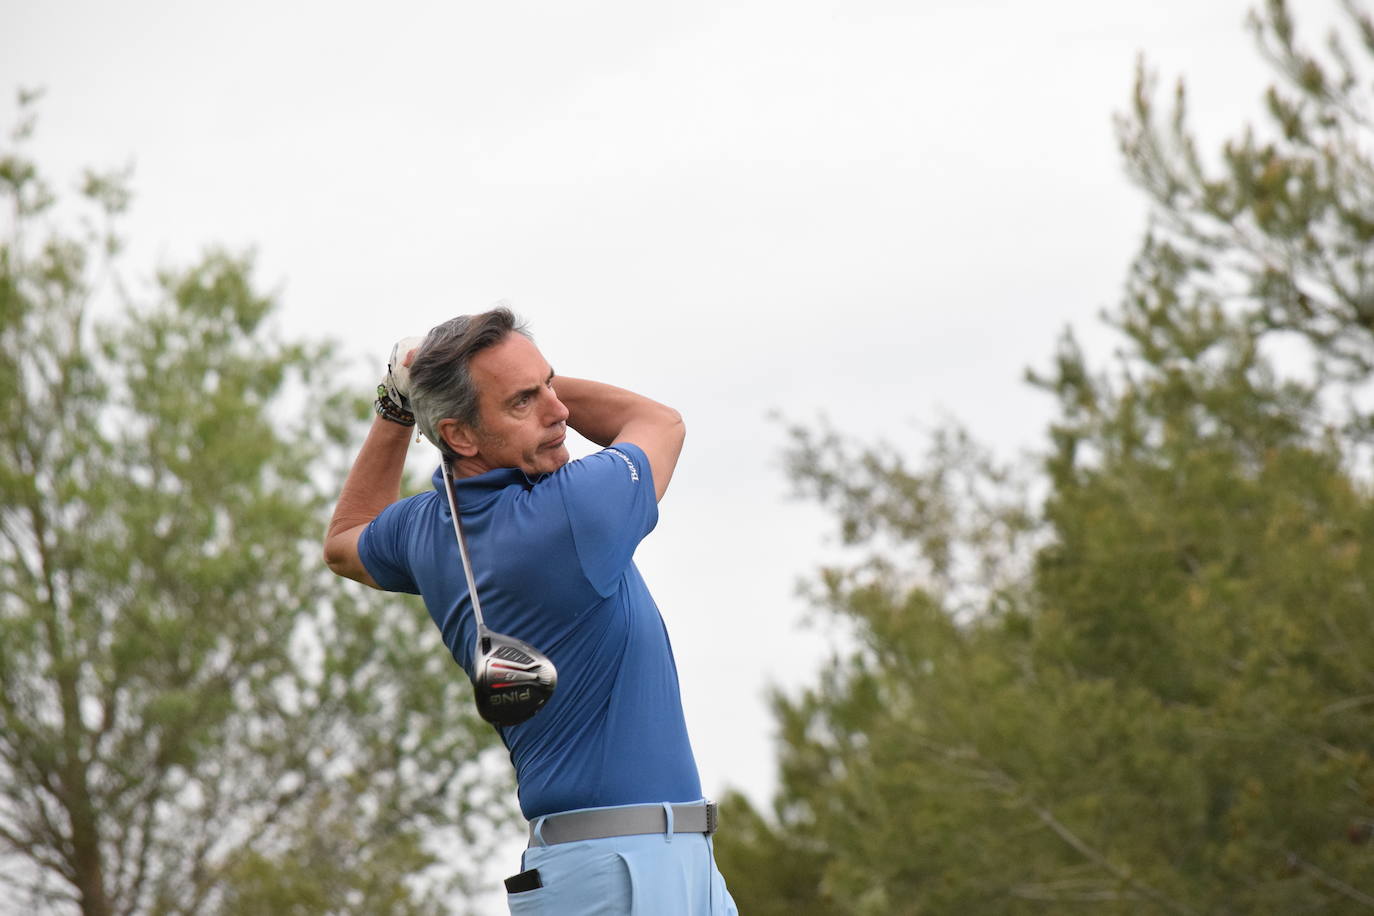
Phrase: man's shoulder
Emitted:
{"points": [[621, 451], [396, 521], [619, 464]]}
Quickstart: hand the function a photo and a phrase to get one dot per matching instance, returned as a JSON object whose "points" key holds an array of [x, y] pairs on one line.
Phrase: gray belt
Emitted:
{"points": [[599, 823]]}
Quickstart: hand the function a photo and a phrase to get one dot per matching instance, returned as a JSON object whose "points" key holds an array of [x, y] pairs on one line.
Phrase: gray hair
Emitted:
{"points": [[441, 387]]}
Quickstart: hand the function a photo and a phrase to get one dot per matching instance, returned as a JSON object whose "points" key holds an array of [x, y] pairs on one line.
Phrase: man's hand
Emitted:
{"points": [[397, 380]]}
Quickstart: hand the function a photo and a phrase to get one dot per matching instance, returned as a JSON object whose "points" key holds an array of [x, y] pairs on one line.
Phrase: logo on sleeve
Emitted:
{"points": [[634, 471]]}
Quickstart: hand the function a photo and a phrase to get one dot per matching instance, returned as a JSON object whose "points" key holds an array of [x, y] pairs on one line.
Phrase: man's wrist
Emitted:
{"points": [[388, 409]]}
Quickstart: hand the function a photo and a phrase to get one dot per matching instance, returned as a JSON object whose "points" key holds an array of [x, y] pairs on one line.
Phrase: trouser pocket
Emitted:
{"points": [[575, 880]]}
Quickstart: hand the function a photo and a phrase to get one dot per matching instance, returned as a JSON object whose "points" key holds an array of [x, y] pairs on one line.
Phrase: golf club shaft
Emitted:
{"points": [[463, 551]]}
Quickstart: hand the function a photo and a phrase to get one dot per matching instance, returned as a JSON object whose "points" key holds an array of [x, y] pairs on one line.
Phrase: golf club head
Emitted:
{"points": [[513, 679]]}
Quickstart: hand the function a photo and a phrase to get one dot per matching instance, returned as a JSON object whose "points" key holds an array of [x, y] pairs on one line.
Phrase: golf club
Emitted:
{"points": [[511, 680]]}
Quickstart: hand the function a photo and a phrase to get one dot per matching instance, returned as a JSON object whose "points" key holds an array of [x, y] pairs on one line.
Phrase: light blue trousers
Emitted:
{"points": [[647, 875]]}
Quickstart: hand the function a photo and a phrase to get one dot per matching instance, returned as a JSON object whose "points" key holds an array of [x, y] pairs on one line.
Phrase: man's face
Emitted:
{"points": [[523, 421]]}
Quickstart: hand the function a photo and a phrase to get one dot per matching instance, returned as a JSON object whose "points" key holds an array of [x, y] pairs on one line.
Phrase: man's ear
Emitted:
{"points": [[458, 437]]}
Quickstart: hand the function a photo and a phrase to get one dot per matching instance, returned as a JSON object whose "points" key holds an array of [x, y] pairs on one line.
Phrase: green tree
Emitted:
{"points": [[1284, 219], [195, 717], [1155, 693]]}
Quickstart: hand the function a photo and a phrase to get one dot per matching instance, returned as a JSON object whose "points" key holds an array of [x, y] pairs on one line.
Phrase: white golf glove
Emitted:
{"points": [[397, 380]]}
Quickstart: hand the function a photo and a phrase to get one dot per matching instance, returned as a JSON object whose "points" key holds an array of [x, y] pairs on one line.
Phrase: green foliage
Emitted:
{"points": [[1155, 694], [195, 717], [1284, 221]]}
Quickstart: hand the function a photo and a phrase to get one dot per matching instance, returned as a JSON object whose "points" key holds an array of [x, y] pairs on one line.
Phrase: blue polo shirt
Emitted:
{"points": [[553, 560]]}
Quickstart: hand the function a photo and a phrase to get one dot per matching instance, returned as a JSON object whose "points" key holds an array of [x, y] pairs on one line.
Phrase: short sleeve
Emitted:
{"points": [[611, 505], [382, 547]]}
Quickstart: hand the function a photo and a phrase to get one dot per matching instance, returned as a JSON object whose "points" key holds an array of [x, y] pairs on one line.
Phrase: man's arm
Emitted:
{"points": [[606, 415], [373, 483]]}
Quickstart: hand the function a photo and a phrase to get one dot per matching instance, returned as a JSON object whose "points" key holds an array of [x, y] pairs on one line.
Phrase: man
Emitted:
{"points": [[605, 770]]}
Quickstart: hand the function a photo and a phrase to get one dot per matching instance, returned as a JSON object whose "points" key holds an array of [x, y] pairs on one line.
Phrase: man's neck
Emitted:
{"points": [[462, 467]]}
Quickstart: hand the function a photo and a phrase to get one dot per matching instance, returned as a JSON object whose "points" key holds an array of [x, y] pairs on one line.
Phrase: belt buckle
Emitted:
{"points": [[712, 817]]}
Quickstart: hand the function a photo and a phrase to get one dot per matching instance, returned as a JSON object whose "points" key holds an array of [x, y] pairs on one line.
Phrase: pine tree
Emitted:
{"points": [[1153, 693]]}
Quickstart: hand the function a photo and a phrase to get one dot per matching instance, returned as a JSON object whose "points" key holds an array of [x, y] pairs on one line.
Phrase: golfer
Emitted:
{"points": [[605, 770]]}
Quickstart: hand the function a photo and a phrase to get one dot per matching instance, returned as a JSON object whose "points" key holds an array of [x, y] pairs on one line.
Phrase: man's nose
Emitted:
{"points": [[556, 410]]}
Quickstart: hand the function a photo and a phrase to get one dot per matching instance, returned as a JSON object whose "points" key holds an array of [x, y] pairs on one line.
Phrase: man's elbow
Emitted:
{"points": [[334, 558], [676, 424], [341, 556]]}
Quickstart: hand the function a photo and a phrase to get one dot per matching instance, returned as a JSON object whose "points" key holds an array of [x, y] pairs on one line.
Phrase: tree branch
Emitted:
{"points": [[1335, 884], [1008, 785]]}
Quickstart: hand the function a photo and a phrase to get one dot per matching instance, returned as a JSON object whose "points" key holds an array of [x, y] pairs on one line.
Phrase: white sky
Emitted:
{"points": [[878, 211]]}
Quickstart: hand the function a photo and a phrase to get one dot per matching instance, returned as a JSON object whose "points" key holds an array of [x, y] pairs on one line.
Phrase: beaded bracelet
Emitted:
{"points": [[390, 410]]}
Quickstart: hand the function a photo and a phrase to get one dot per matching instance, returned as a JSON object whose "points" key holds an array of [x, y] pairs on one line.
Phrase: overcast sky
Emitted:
{"points": [[877, 211]]}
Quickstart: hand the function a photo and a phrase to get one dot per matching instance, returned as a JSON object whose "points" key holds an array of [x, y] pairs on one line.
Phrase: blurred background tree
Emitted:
{"points": [[1140, 680], [195, 717]]}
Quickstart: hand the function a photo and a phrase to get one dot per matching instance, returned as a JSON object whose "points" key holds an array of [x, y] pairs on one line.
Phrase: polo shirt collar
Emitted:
{"points": [[491, 482]]}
